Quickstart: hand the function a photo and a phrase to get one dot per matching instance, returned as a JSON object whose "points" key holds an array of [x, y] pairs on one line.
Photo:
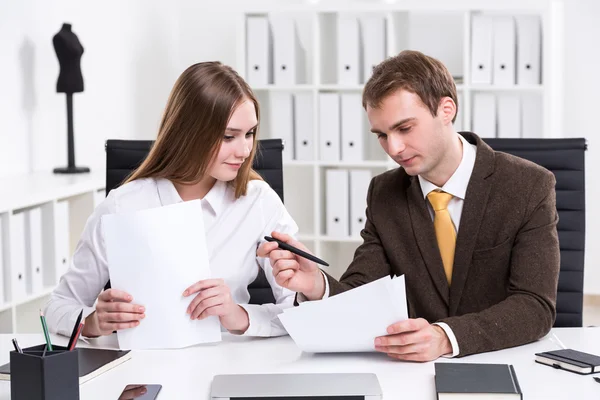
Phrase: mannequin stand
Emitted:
{"points": [[71, 168]]}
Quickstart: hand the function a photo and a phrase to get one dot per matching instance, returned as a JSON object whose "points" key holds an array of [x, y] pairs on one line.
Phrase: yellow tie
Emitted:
{"points": [[444, 229]]}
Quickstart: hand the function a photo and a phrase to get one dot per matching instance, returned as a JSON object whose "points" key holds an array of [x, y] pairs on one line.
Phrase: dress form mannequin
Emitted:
{"points": [[70, 80]]}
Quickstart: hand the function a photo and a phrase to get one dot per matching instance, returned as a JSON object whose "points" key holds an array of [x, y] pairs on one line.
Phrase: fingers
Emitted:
{"points": [[266, 248], [404, 350], [115, 295], [283, 278], [289, 240], [201, 285], [403, 339], [409, 325], [117, 326], [203, 295], [120, 307], [415, 357], [204, 306], [120, 317]]}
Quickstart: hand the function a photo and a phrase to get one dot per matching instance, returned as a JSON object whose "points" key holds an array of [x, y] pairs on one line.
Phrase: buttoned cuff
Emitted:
{"points": [[451, 337]]}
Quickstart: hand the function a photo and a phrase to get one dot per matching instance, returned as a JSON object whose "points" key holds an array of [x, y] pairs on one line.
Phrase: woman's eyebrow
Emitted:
{"points": [[231, 129]]}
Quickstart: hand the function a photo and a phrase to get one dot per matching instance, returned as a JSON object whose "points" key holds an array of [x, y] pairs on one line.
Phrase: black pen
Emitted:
{"points": [[17, 348], [288, 247], [597, 379]]}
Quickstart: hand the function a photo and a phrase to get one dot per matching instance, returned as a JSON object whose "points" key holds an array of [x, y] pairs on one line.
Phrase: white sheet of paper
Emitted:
{"points": [[154, 255], [350, 321]]}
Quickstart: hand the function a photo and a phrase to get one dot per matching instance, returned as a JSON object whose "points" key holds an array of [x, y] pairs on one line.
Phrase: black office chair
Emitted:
{"points": [[564, 158], [123, 156]]}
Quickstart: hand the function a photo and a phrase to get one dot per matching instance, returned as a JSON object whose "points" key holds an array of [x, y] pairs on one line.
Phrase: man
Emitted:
{"points": [[473, 230]]}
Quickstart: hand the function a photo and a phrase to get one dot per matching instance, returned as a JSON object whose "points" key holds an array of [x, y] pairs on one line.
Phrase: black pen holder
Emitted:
{"points": [[39, 374]]}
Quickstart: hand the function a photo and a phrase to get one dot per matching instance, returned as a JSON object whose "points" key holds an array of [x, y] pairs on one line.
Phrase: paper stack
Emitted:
{"points": [[154, 255], [350, 321]]}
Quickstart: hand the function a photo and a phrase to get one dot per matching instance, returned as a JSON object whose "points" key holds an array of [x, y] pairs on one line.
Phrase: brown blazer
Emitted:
{"points": [[506, 262]]}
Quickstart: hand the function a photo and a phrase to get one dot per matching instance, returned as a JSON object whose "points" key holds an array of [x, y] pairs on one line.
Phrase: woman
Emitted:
{"points": [[204, 150]]}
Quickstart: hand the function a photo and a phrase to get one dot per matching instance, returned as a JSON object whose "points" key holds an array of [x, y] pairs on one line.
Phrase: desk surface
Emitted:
{"points": [[187, 373]]}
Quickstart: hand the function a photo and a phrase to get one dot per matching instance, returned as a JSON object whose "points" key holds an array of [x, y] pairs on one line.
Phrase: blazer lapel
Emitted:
{"points": [[474, 206], [425, 238]]}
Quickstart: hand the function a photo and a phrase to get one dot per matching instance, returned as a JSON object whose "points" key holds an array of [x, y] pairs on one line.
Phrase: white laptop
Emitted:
{"points": [[344, 386]]}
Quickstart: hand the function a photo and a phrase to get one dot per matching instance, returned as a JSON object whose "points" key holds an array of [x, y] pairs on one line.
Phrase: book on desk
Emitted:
{"points": [[92, 362], [459, 381], [570, 360]]}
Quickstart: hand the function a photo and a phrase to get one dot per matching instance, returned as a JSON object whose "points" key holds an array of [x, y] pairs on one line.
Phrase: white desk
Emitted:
{"points": [[187, 373]]}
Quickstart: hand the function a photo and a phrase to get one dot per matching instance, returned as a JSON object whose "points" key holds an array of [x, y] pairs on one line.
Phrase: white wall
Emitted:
{"points": [[582, 88], [134, 51]]}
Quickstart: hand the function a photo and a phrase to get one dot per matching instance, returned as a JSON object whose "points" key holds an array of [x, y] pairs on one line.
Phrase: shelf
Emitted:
{"points": [[355, 164], [284, 88], [295, 163], [341, 88], [25, 300], [347, 164], [506, 88], [41, 187]]}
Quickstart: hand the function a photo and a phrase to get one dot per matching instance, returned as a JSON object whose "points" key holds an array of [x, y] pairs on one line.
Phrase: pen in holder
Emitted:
{"points": [[41, 374]]}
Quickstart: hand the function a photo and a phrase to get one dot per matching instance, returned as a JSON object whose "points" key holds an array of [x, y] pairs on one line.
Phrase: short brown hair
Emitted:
{"points": [[415, 72], [193, 124]]}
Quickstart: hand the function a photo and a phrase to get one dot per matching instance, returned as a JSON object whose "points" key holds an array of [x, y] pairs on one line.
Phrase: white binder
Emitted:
{"points": [[286, 51], [33, 240], [336, 203], [348, 48], [504, 51], [359, 186], [529, 50], [481, 51], [484, 115], [352, 127], [509, 116], [303, 127], [258, 51], [17, 257], [61, 238], [3, 264], [531, 108], [329, 127], [281, 107], [373, 31]]}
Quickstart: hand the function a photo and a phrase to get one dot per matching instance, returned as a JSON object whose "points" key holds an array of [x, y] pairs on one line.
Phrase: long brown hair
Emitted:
{"points": [[194, 122], [415, 72]]}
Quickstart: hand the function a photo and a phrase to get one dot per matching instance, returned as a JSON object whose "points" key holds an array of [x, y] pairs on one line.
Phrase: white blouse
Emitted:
{"points": [[234, 230]]}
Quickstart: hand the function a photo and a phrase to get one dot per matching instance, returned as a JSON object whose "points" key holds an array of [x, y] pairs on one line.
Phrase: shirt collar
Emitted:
{"points": [[215, 197], [458, 182]]}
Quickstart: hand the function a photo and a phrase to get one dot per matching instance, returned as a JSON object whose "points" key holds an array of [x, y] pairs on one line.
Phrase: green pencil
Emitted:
{"points": [[45, 329]]}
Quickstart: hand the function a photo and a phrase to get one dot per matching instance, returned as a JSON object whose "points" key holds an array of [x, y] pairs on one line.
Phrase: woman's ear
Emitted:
{"points": [[447, 110]]}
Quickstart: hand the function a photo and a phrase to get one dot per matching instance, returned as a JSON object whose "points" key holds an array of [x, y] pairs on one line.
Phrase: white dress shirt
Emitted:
{"points": [[234, 229], [457, 187]]}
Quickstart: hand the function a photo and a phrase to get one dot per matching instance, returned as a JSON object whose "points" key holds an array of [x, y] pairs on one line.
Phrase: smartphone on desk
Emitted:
{"points": [[140, 392]]}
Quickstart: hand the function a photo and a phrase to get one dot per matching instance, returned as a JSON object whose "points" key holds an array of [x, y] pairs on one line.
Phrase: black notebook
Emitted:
{"points": [[476, 381], [570, 360], [92, 362]]}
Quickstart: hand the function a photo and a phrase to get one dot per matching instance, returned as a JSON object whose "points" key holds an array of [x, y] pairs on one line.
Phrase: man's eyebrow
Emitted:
{"points": [[396, 125]]}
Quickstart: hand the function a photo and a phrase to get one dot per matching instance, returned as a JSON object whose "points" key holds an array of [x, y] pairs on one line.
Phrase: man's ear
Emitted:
{"points": [[447, 110]]}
